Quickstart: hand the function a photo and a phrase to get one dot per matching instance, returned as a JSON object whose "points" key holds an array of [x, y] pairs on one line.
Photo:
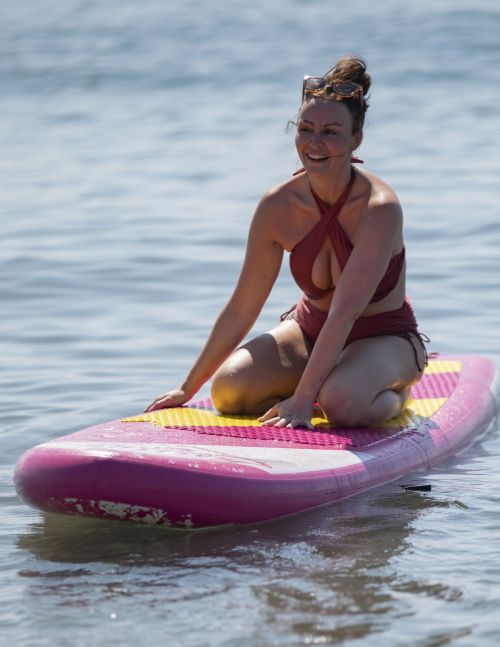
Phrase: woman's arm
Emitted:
{"points": [[258, 274], [358, 282]]}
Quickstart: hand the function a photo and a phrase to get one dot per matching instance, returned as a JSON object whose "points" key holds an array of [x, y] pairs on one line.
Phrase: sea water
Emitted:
{"points": [[136, 139]]}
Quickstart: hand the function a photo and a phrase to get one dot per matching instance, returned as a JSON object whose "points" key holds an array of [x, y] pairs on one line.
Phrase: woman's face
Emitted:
{"points": [[324, 135]]}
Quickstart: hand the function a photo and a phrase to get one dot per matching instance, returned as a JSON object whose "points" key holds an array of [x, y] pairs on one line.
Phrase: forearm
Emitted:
{"points": [[324, 355], [228, 331]]}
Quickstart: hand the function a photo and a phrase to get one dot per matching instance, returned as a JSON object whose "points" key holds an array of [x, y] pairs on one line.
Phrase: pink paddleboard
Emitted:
{"points": [[191, 467]]}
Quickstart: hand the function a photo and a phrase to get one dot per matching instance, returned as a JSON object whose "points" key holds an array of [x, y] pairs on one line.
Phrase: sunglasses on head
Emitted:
{"points": [[338, 89]]}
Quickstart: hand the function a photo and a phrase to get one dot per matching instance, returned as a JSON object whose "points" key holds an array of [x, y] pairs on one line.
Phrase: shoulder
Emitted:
{"points": [[379, 219], [381, 201], [281, 211], [281, 201], [285, 194]]}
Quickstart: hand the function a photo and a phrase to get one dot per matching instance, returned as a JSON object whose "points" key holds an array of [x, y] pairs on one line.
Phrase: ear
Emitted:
{"points": [[357, 138]]}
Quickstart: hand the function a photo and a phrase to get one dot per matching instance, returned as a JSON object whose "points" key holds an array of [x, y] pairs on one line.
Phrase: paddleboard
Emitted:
{"points": [[192, 467]]}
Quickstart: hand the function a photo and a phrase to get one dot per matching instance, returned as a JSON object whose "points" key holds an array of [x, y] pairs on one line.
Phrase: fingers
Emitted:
{"points": [[161, 402], [294, 423], [271, 414], [299, 424], [272, 418], [277, 421], [157, 404]]}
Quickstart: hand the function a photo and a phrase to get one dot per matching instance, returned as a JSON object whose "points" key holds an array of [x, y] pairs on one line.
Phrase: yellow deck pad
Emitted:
{"points": [[443, 366], [188, 417], [193, 417], [423, 408]]}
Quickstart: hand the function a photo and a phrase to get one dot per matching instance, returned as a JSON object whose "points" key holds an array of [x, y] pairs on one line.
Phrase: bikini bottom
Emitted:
{"points": [[400, 322]]}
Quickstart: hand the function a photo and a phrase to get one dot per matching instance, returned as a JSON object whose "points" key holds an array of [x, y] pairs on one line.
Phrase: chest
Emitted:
{"points": [[325, 267], [304, 217], [320, 246]]}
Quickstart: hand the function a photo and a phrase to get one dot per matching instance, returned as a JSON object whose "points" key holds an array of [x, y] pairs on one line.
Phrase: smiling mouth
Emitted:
{"points": [[316, 158]]}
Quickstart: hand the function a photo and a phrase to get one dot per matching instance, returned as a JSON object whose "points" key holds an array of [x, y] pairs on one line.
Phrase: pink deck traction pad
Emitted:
{"points": [[438, 385]]}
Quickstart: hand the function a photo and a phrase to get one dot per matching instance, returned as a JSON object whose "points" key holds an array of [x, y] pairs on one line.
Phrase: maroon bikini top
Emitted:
{"points": [[303, 255]]}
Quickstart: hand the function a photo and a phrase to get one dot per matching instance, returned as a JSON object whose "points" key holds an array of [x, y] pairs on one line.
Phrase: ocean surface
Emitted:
{"points": [[135, 141]]}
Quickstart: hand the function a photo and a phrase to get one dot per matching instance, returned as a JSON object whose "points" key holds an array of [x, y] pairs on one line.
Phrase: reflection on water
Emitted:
{"points": [[322, 575]]}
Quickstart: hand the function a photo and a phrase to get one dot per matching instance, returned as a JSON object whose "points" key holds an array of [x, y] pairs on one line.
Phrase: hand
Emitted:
{"points": [[174, 398], [289, 413]]}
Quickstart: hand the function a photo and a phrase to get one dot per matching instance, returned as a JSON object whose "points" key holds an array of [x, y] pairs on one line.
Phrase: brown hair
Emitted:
{"points": [[350, 68]]}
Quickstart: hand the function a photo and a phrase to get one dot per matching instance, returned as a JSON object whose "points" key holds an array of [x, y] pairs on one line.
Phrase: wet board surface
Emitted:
{"points": [[191, 467]]}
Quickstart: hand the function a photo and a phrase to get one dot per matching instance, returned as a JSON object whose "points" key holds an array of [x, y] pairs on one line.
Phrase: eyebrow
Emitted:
{"points": [[312, 123]]}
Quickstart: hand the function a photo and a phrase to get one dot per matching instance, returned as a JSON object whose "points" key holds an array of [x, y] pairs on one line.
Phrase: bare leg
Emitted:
{"points": [[262, 372], [371, 381]]}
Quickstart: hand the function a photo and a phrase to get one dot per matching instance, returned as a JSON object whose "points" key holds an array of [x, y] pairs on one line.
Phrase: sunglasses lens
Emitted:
{"points": [[339, 89], [314, 83], [345, 88]]}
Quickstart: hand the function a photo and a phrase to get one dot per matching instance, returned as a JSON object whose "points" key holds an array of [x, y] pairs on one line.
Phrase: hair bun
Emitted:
{"points": [[350, 68]]}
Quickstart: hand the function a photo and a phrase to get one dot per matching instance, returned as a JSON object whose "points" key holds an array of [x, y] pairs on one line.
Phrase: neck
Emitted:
{"points": [[330, 187]]}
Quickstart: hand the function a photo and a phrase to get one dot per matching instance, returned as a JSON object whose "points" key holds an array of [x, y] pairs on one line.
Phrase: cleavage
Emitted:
{"points": [[324, 267]]}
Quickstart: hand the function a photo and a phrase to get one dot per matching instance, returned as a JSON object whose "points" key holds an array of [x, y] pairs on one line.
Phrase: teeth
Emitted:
{"points": [[317, 157]]}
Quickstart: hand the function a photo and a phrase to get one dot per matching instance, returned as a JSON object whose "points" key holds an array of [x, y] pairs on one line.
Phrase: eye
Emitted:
{"points": [[328, 131]]}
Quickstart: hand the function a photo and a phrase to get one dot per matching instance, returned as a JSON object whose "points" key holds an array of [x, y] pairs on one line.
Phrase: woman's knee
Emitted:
{"points": [[340, 404], [228, 389]]}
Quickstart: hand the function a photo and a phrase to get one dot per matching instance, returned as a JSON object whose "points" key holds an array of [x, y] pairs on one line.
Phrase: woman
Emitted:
{"points": [[351, 343]]}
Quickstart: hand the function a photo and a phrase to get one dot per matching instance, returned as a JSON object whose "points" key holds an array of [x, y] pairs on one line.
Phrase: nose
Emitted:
{"points": [[317, 137]]}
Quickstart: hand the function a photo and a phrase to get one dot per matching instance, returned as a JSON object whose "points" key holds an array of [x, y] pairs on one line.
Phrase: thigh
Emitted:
{"points": [[267, 367], [368, 367]]}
